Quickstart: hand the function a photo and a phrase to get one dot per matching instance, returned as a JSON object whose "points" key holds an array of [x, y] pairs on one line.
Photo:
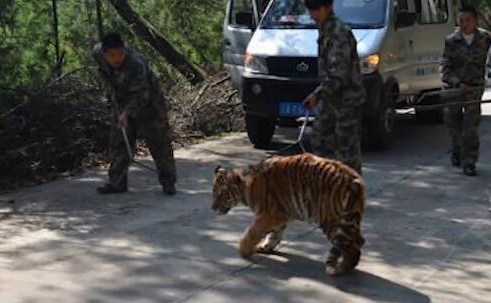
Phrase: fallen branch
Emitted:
{"points": [[49, 85], [221, 81], [66, 127], [15, 108], [207, 86], [201, 92], [231, 95]]}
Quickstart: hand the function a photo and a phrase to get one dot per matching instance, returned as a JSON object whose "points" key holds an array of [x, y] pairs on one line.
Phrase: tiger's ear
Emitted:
{"points": [[219, 169], [239, 174]]}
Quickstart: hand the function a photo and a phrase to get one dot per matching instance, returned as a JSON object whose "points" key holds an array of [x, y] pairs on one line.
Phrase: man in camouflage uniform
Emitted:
{"points": [[337, 102], [141, 111], [337, 129], [338, 99], [463, 66]]}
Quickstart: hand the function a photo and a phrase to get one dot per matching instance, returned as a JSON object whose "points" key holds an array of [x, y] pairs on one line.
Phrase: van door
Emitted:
{"points": [[402, 47], [241, 18], [435, 20]]}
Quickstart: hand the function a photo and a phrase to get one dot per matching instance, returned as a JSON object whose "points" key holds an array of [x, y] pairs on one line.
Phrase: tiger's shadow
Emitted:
{"points": [[285, 266]]}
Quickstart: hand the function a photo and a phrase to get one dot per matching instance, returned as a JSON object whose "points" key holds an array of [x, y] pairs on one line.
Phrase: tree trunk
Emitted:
{"points": [[147, 32], [59, 58], [100, 26]]}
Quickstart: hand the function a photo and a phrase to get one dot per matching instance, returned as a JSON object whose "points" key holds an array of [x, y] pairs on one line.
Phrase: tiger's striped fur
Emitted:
{"points": [[302, 187]]}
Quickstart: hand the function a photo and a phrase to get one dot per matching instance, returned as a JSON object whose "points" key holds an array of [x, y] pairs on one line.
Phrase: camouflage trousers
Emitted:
{"points": [[463, 123], [336, 133], [156, 133]]}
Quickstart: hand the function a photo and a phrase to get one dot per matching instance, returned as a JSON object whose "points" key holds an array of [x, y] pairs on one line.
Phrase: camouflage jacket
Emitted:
{"points": [[339, 67], [133, 87], [462, 63]]}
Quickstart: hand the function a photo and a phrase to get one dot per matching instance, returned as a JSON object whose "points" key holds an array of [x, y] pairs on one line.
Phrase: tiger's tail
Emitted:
{"points": [[356, 208], [357, 199]]}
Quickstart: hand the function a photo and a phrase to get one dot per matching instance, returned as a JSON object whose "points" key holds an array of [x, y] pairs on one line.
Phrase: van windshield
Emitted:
{"points": [[355, 13]]}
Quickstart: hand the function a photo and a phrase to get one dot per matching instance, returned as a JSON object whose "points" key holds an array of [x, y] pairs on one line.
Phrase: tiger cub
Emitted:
{"points": [[302, 187]]}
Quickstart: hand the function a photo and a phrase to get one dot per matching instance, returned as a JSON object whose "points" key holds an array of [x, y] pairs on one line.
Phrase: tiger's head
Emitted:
{"points": [[228, 190]]}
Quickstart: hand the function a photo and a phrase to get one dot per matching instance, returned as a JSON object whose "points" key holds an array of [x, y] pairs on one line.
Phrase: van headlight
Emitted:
{"points": [[254, 64], [370, 64]]}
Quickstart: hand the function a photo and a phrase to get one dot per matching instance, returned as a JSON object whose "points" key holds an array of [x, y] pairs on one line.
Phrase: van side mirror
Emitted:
{"points": [[405, 19], [245, 19]]}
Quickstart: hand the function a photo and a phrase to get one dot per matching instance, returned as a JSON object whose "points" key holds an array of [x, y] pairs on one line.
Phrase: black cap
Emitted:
{"points": [[112, 40], [469, 9], [315, 4]]}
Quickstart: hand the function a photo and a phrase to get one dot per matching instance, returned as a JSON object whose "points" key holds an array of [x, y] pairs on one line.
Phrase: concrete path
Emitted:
{"points": [[427, 227]]}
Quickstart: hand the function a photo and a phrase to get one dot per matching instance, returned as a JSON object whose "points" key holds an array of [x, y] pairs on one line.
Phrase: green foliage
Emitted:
{"points": [[25, 57], [484, 10], [26, 35], [195, 25]]}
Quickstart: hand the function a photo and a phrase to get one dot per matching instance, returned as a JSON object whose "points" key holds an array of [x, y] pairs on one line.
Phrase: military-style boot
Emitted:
{"points": [[470, 170], [169, 189], [455, 159], [110, 189]]}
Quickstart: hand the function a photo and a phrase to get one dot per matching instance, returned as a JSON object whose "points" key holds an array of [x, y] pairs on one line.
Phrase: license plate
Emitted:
{"points": [[292, 109]]}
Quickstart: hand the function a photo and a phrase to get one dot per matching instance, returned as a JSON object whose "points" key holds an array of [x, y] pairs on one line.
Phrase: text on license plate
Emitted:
{"points": [[292, 109]]}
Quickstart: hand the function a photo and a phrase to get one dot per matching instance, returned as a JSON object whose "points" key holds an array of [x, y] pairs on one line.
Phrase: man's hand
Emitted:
{"points": [[123, 120], [310, 102]]}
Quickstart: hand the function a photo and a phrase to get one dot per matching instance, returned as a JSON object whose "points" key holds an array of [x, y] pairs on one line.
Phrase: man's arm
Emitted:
{"points": [[96, 62], [337, 69], [447, 68], [98, 58], [138, 90]]}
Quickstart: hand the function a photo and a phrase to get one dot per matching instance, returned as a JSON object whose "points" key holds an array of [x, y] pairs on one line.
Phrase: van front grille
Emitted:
{"points": [[298, 67]]}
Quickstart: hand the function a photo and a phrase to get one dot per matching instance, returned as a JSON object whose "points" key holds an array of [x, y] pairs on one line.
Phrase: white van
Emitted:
{"points": [[271, 54]]}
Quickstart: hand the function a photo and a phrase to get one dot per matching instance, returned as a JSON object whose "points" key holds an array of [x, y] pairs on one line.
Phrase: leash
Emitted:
{"points": [[449, 104], [129, 150], [452, 93], [130, 153], [445, 94], [128, 145], [131, 158], [300, 136]]}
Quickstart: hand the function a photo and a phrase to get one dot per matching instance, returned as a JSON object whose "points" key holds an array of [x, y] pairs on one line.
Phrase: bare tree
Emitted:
{"points": [[100, 27], [59, 57]]}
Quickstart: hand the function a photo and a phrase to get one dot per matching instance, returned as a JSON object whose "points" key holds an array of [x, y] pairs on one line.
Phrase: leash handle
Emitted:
{"points": [[304, 126]]}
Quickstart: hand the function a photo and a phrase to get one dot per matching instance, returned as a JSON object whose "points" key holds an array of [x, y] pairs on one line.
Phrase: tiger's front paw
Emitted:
{"points": [[245, 250], [333, 268], [349, 261]]}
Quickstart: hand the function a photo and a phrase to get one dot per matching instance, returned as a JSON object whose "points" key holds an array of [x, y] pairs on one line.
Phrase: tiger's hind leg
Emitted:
{"points": [[272, 240], [351, 226], [333, 267], [346, 244], [263, 224]]}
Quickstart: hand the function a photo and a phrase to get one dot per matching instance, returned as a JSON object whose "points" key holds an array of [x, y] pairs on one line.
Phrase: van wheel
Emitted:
{"points": [[381, 129], [430, 116], [260, 130]]}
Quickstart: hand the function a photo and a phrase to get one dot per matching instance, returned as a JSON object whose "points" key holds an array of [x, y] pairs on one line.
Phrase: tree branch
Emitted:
{"points": [[147, 32]]}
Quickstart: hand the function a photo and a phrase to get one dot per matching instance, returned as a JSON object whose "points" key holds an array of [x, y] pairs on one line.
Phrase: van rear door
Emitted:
{"points": [[435, 20], [241, 18]]}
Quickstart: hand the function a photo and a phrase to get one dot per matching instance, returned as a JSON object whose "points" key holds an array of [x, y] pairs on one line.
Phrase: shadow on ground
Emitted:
{"points": [[148, 247]]}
